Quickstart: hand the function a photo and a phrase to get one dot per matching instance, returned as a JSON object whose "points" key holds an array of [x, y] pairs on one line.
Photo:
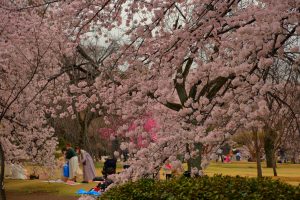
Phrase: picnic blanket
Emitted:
{"points": [[54, 181], [91, 192], [60, 181]]}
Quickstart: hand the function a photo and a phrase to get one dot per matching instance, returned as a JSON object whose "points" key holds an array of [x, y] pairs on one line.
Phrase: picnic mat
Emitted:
{"points": [[60, 181], [91, 192]]}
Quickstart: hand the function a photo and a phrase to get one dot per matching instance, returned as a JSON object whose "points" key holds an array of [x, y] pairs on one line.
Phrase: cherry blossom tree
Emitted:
{"points": [[206, 65], [203, 68], [29, 63]]}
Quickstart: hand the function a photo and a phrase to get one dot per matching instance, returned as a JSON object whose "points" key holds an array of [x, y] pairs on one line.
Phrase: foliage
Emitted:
{"points": [[216, 187]]}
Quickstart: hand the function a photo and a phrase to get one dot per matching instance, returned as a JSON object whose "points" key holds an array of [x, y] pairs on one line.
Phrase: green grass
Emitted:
{"points": [[289, 173], [37, 186]]}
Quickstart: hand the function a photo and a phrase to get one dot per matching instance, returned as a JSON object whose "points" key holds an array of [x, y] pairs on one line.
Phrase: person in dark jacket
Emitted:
{"points": [[110, 166], [72, 158]]}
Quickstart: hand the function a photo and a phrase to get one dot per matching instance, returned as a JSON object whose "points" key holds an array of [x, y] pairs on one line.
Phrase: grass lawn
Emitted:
{"points": [[37, 186], [289, 173]]}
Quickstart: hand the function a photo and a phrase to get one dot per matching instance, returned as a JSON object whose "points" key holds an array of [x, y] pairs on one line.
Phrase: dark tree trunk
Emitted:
{"points": [[84, 120], [257, 149], [274, 164], [81, 138], [269, 146], [195, 162], [270, 149], [2, 163]]}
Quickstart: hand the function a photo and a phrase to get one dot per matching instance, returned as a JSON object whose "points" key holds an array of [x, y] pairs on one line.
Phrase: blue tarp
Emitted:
{"points": [[92, 192]]}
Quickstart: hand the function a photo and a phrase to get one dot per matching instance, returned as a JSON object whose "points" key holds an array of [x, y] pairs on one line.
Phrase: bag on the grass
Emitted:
{"points": [[66, 170]]}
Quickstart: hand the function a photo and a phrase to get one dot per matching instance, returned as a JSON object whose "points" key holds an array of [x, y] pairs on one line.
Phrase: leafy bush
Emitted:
{"points": [[216, 187]]}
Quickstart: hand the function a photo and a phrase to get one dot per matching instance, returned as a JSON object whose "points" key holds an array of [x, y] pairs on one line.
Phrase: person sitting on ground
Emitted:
{"points": [[110, 166], [72, 157], [87, 164]]}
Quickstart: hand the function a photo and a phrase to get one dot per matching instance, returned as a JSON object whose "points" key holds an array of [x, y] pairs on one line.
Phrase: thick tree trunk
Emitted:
{"points": [[270, 150], [195, 162], [82, 121], [80, 139], [2, 163], [257, 149], [269, 146]]}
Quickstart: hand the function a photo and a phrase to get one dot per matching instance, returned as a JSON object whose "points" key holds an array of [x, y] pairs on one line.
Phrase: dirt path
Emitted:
{"points": [[37, 196]]}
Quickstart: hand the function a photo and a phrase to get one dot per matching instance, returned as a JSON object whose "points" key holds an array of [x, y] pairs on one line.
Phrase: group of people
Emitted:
{"points": [[75, 156], [228, 157]]}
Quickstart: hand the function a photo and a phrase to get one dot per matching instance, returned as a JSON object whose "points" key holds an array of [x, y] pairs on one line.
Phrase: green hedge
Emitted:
{"points": [[216, 187]]}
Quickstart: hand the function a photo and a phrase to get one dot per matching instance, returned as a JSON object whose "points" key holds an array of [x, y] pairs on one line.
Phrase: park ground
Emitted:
{"points": [[37, 189]]}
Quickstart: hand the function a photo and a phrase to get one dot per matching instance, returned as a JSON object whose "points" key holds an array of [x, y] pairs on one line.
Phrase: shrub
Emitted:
{"points": [[216, 187]]}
